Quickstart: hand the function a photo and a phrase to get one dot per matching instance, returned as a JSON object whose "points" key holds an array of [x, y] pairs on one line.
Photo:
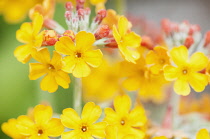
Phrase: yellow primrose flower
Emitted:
{"points": [[127, 42], [157, 58], [139, 77], [29, 34], [10, 129], [127, 121], [54, 76], [43, 126], [203, 134], [79, 55], [187, 71], [84, 127]]}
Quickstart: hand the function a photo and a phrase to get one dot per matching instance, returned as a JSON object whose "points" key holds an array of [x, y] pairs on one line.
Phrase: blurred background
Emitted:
{"points": [[18, 93]]}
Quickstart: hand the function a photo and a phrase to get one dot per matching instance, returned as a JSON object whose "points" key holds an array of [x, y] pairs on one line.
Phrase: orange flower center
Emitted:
{"points": [[122, 122], [184, 71], [40, 132], [78, 54], [162, 61], [84, 128], [51, 67]]}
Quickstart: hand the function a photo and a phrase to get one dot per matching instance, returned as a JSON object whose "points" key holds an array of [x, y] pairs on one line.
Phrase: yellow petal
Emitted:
{"points": [[179, 55], [65, 46], [25, 125], [182, 87], [111, 116], [37, 23], [203, 134], [131, 55], [24, 34], [151, 57], [116, 35], [198, 81], [81, 69], [70, 118], [54, 127], [70, 63], [37, 70], [170, 73], [91, 113], [132, 83], [137, 117], [198, 61], [42, 114], [161, 137], [48, 83], [111, 132], [98, 129], [74, 134], [122, 104], [56, 60], [23, 53], [93, 57], [132, 40], [41, 55], [122, 25], [84, 40], [62, 78]]}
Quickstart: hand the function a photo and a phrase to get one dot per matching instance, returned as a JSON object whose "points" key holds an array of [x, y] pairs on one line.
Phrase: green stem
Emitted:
{"points": [[77, 98]]}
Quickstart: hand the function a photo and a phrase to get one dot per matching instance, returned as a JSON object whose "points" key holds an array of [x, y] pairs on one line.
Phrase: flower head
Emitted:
{"points": [[42, 126], [127, 42], [29, 33], [79, 54], [187, 71], [126, 121], [51, 68], [84, 127]]}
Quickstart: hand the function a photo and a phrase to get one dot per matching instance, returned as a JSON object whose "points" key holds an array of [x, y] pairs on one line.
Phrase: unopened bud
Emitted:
{"points": [[80, 4], [50, 38], [193, 29], [147, 42], [68, 15], [102, 32], [111, 43], [69, 6], [189, 41], [81, 13], [70, 34], [100, 16], [166, 27], [207, 39]]}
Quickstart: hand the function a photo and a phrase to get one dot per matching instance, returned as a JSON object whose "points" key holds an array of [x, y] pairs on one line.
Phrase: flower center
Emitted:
{"points": [[84, 128], [184, 71], [78, 54], [40, 132], [122, 122], [51, 67], [162, 61]]}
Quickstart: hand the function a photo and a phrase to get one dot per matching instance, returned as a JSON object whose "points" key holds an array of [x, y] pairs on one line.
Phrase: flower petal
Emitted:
{"points": [[111, 116], [122, 104], [198, 61], [24, 34], [65, 46], [182, 87], [37, 70], [91, 113], [98, 129], [42, 55], [116, 34], [62, 78], [48, 83], [25, 125], [70, 118], [131, 55], [70, 63], [122, 25], [179, 55], [56, 60], [132, 83], [137, 117], [198, 81], [54, 127], [93, 58], [37, 23], [203, 134], [42, 114], [23, 53], [170, 73], [81, 69], [74, 134], [84, 40], [132, 40]]}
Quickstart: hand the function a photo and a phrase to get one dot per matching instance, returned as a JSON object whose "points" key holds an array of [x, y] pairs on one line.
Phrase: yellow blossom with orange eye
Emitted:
{"points": [[10, 129], [127, 121], [51, 68], [80, 55], [84, 127], [29, 33], [186, 73], [127, 42], [138, 77], [203, 134], [42, 126], [109, 76], [157, 58]]}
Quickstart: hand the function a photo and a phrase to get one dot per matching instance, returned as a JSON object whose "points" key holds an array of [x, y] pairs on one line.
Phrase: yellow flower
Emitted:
{"points": [[187, 71], [79, 56], [84, 127], [109, 80], [11, 130], [126, 121], [29, 34], [139, 77], [43, 126], [161, 137], [203, 134], [54, 76], [127, 42], [158, 58]]}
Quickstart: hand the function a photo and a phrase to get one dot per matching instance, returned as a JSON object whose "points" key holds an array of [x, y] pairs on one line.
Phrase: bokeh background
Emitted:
{"points": [[18, 93]]}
